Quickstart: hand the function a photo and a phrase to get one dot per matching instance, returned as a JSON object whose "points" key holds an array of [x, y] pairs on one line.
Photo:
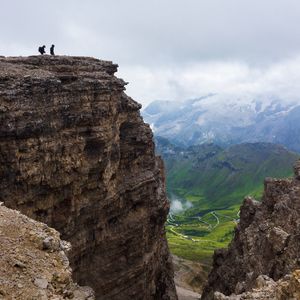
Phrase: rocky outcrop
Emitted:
{"points": [[33, 261], [76, 154], [266, 242], [266, 288]]}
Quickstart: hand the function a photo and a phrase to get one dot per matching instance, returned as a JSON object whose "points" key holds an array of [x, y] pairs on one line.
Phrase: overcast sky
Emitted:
{"points": [[168, 49]]}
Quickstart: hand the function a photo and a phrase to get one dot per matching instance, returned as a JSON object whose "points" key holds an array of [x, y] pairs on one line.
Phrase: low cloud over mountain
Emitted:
{"points": [[227, 119]]}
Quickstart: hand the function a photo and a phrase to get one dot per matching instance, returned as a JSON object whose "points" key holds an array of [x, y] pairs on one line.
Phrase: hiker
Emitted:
{"points": [[42, 50], [52, 50]]}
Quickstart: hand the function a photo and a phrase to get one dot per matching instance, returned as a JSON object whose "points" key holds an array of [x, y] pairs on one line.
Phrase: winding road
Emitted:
{"points": [[213, 213], [171, 221]]}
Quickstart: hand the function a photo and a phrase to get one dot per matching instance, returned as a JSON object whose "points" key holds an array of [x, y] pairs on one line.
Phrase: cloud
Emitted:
{"points": [[167, 49], [237, 78], [158, 31], [178, 206]]}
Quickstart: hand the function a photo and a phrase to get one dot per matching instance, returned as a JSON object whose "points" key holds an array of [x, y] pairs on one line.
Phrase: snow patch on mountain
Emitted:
{"points": [[227, 119]]}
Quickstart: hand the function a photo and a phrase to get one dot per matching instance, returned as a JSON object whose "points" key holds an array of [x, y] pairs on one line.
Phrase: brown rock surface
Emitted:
{"points": [[265, 288], [76, 154], [189, 277], [266, 242], [27, 269]]}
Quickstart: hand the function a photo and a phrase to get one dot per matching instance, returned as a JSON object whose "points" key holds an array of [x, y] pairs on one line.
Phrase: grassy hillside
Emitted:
{"points": [[213, 178], [214, 182]]}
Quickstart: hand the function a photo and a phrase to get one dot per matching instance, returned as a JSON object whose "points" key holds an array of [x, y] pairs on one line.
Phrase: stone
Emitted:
{"points": [[75, 154], [41, 283], [265, 249], [287, 288], [50, 244], [263, 281], [32, 282], [297, 170], [19, 264], [278, 239]]}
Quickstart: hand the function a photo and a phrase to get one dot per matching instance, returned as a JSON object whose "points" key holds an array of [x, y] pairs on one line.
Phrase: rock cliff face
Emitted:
{"points": [[266, 242], [75, 154]]}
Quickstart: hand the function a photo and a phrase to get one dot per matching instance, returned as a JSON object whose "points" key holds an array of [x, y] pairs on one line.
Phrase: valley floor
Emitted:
{"points": [[184, 294], [192, 240], [189, 278], [196, 237]]}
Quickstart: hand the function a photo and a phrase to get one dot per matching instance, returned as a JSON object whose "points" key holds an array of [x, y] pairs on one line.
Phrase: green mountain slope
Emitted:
{"points": [[210, 183], [216, 178]]}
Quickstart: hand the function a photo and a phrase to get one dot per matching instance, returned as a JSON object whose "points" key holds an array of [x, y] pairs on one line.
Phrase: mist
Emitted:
{"points": [[178, 205]]}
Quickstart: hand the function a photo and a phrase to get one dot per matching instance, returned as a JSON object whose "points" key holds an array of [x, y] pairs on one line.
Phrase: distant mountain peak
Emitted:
{"points": [[227, 119]]}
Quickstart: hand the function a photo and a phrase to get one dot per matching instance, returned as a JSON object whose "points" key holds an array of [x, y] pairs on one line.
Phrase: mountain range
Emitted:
{"points": [[227, 120], [217, 150]]}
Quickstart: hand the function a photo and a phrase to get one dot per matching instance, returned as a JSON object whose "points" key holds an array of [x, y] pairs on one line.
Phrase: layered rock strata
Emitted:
{"points": [[33, 261], [266, 242], [76, 154]]}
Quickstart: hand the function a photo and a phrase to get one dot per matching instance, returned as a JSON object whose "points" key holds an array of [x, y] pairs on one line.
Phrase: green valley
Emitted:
{"points": [[206, 185]]}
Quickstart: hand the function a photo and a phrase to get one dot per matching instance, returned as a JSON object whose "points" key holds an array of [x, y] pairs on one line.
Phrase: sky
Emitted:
{"points": [[169, 49]]}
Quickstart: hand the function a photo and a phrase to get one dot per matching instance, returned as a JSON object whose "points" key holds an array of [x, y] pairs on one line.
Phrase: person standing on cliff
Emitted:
{"points": [[42, 50], [52, 50]]}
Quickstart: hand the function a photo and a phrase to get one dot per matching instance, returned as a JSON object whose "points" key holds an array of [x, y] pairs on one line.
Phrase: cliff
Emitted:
{"points": [[76, 154], [262, 260], [33, 261]]}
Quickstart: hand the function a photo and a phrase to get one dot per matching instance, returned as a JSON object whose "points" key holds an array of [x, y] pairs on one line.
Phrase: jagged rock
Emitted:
{"points": [[278, 239], [19, 264], [264, 281], [265, 247], [297, 170], [41, 283], [76, 154], [265, 288], [33, 273], [50, 244]]}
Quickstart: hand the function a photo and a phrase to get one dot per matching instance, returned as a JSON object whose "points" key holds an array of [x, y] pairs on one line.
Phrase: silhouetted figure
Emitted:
{"points": [[42, 49], [52, 50]]}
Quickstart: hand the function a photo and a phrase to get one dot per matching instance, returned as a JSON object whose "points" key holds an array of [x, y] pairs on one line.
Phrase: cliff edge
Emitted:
{"points": [[262, 261], [76, 155]]}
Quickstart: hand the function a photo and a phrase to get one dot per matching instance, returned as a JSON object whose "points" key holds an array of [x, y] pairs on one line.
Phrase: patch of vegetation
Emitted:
{"points": [[215, 181], [197, 238]]}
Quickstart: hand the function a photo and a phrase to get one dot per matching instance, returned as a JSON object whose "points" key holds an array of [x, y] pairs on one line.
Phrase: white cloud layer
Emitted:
{"points": [[280, 79], [170, 49]]}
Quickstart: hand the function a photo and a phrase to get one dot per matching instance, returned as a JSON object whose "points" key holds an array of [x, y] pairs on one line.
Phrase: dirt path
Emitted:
{"points": [[189, 278], [216, 217], [184, 294]]}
